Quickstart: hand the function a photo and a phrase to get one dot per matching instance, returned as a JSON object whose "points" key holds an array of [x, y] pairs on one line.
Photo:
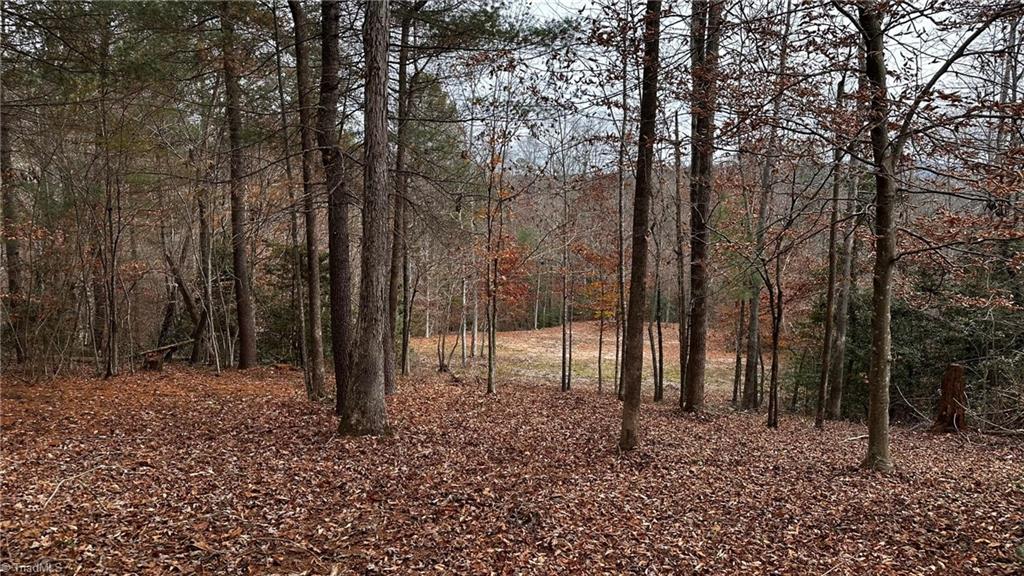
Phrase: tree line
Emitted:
{"points": [[171, 171]]}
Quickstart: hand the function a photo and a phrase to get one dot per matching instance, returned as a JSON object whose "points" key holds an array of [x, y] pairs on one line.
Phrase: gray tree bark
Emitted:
{"points": [[364, 411]]}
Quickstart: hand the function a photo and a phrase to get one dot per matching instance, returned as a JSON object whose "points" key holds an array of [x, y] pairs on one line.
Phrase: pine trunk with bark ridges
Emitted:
{"points": [[364, 411], [239, 220], [633, 358], [337, 196], [315, 327]]}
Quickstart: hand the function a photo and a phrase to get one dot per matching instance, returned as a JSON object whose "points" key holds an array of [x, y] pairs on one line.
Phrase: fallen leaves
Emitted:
{"points": [[186, 472]]}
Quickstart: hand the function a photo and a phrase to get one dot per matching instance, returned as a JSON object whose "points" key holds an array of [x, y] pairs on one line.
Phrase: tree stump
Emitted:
{"points": [[153, 362], [952, 401]]}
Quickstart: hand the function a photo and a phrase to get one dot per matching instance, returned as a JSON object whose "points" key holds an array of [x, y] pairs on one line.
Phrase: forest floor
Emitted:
{"points": [[188, 472]]}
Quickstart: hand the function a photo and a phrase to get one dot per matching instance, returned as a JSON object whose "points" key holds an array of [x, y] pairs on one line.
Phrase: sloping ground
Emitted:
{"points": [[184, 472]]}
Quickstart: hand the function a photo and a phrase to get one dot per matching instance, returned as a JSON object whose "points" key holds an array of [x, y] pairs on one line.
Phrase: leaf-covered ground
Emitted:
{"points": [[187, 472]]}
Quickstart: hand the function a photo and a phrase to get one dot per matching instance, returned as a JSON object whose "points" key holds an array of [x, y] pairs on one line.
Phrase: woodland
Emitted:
{"points": [[512, 287]]}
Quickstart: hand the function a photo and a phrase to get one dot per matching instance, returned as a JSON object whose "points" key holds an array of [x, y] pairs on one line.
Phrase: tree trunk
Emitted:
{"points": [[737, 372], [600, 354], [206, 265], [364, 410], [12, 247], [536, 303], [706, 32], [401, 193], [565, 288], [878, 457], [316, 338], [775, 293], [632, 361], [239, 221], [462, 324], [847, 255], [620, 310], [661, 346], [337, 216], [682, 264], [830, 286]]}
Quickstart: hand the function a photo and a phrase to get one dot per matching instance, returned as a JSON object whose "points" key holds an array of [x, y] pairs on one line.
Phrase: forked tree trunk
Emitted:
{"points": [[633, 359], [364, 410], [706, 30]]}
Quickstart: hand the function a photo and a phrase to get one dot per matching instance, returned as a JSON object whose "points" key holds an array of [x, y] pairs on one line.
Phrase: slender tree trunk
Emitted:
{"points": [[401, 193], [536, 303], [620, 311], [206, 265], [316, 338], [295, 250], [776, 307], [565, 288], [568, 375], [706, 34], [847, 256], [12, 247], [239, 220], [878, 457], [661, 347], [462, 323], [337, 196], [112, 197], [600, 354], [364, 411], [632, 362], [830, 286], [654, 357], [407, 308], [682, 263], [476, 311], [752, 385], [737, 373]]}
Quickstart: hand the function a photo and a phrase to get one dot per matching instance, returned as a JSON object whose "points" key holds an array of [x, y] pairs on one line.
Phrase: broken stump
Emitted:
{"points": [[950, 416]]}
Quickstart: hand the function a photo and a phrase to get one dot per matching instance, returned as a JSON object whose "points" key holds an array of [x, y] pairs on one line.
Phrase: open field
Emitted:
{"points": [[536, 355]]}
